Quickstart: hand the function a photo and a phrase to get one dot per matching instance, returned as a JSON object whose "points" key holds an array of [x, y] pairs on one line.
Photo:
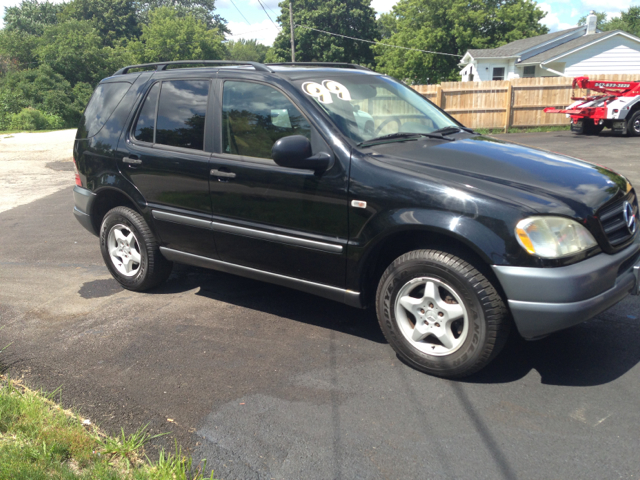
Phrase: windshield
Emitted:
{"points": [[370, 106]]}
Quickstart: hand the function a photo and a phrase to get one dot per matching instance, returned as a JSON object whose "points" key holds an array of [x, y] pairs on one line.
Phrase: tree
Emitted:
{"points": [[18, 48], [31, 16], [628, 21], [387, 25], [601, 19], [249, 50], [200, 9], [74, 50], [354, 18], [452, 27], [169, 36], [114, 20]]}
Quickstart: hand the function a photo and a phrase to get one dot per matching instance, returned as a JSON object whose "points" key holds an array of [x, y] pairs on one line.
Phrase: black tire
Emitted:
{"points": [[152, 268], [486, 321], [633, 125]]}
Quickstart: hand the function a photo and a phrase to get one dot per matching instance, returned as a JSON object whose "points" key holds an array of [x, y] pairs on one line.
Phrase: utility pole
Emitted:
{"points": [[293, 46]]}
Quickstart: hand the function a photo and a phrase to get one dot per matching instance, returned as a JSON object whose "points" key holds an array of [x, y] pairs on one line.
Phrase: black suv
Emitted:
{"points": [[335, 180]]}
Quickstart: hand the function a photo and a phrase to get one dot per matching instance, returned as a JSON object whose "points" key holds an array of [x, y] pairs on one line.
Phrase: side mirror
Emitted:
{"points": [[295, 152]]}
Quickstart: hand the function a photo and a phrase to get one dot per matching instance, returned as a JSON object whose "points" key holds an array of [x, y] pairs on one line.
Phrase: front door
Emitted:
{"points": [[167, 161], [282, 220]]}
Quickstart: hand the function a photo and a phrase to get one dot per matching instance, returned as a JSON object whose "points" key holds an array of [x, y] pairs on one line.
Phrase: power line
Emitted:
{"points": [[376, 43], [267, 14], [251, 31], [245, 18]]}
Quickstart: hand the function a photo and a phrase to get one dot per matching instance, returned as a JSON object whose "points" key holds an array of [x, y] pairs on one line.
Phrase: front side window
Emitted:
{"points": [[365, 106], [498, 73], [254, 116], [181, 111]]}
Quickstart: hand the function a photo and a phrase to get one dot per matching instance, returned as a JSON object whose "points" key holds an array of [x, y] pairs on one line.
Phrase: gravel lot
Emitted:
{"points": [[266, 382], [34, 165]]}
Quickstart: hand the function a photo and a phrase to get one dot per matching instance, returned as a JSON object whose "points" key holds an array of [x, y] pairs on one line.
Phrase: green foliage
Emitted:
{"points": [[387, 25], [199, 9], [353, 18], [114, 20], [73, 49], [31, 16], [168, 36], [32, 119], [628, 21], [43, 89], [452, 26], [249, 50], [18, 47]]}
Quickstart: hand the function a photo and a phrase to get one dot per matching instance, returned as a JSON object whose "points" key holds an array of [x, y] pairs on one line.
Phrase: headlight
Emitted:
{"points": [[553, 237]]}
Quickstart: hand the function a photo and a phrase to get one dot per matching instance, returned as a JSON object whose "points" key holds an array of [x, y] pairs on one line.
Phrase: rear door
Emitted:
{"points": [[168, 156], [282, 220]]}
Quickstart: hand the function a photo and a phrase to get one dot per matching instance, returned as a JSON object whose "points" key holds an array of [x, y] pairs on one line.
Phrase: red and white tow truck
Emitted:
{"points": [[617, 107]]}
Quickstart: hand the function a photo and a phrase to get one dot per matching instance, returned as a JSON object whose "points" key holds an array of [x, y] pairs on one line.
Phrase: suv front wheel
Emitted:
{"points": [[440, 314], [130, 250]]}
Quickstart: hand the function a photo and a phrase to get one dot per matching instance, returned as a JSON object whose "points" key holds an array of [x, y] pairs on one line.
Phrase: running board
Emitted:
{"points": [[349, 297]]}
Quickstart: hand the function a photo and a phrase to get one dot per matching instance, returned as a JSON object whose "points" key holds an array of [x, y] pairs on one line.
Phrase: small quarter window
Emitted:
{"points": [[254, 116], [181, 113], [104, 101], [146, 122], [529, 72], [498, 73]]}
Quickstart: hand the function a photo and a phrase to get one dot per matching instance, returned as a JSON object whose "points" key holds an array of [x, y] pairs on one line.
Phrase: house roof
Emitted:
{"points": [[514, 48], [571, 45]]}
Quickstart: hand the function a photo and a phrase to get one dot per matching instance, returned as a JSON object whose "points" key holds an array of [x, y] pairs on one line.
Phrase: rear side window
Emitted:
{"points": [[103, 102], [174, 114]]}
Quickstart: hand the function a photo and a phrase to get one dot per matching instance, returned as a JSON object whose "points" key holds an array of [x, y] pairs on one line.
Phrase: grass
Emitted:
{"points": [[495, 131], [40, 440]]}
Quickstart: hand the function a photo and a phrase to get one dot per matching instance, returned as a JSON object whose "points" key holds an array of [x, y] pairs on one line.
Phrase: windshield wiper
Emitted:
{"points": [[453, 129], [400, 137]]}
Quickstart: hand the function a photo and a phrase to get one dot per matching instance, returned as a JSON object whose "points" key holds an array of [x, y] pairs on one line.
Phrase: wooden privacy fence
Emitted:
{"points": [[508, 103]]}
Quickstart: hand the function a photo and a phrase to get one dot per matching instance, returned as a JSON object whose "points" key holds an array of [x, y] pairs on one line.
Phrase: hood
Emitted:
{"points": [[541, 181]]}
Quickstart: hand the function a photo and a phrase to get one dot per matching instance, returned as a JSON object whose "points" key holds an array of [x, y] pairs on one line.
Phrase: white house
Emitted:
{"points": [[573, 52]]}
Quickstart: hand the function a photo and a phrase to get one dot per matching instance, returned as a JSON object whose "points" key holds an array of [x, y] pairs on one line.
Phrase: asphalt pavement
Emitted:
{"points": [[265, 382]]}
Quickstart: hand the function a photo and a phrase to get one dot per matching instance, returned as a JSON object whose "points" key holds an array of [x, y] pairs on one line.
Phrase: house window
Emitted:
{"points": [[529, 72], [498, 73]]}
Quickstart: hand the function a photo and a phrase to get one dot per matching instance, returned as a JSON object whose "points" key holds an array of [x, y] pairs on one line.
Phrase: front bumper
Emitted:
{"points": [[83, 200], [544, 300]]}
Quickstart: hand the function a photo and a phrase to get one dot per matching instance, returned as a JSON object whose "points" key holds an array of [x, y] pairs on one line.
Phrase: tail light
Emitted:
{"points": [[75, 168]]}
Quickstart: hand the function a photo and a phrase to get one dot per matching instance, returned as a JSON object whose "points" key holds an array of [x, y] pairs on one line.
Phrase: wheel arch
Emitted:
{"points": [[108, 198], [416, 237]]}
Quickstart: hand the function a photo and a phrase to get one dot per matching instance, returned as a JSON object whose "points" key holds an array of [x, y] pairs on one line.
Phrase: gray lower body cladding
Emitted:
{"points": [[83, 200], [544, 300]]}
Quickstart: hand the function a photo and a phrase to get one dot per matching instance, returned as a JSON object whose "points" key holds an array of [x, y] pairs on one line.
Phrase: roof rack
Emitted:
{"points": [[163, 65], [322, 64]]}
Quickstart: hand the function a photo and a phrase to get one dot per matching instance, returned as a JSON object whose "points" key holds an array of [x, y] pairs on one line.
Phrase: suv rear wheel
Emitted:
{"points": [[130, 250], [440, 314]]}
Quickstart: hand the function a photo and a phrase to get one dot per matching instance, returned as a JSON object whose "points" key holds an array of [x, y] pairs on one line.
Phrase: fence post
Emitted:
{"points": [[439, 96], [508, 106]]}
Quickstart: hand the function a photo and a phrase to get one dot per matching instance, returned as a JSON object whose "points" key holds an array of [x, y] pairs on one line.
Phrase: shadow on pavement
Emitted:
{"points": [[273, 300], [594, 353]]}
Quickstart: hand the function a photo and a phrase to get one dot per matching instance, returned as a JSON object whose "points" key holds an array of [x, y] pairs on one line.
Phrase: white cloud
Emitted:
{"points": [[551, 19], [383, 6], [575, 12], [264, 31]]}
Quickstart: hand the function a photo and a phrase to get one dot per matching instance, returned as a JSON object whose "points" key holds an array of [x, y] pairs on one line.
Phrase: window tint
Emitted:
{"points": [[147, 118], [254, 116], [103, 102], [181, 113]]}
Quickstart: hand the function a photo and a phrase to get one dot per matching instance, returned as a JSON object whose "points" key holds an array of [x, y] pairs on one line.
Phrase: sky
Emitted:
{"points": [[249, 20]]}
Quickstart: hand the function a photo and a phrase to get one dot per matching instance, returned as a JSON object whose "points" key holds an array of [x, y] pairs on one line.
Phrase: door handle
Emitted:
{"points": [[132, 161], [219, 173]]}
